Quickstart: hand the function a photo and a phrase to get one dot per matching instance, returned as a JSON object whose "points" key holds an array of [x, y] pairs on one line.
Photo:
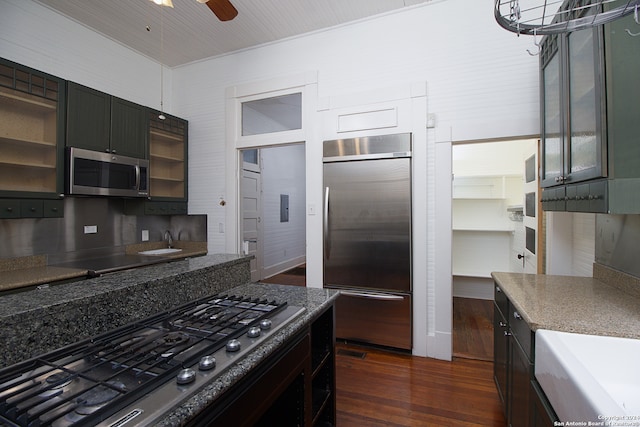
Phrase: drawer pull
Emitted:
{"points": [[517, 316], [502, 324], [498, 289], [507, 333]]}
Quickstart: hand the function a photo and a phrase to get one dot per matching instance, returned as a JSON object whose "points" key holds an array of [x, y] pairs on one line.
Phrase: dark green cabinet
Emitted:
{"points": [[88, 118], [590, 145], [101, 122], [32, 118], [128, 128], [523, 400], [168, 155]]}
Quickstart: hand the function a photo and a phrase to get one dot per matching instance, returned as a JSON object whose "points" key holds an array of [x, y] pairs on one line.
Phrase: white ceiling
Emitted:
{"points": [[190, 31]]}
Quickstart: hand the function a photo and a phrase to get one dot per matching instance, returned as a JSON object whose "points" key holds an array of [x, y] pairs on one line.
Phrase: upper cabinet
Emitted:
{"points": [[101, 122], [168, 157], [31, 142], [590, 139], [167, 167]]}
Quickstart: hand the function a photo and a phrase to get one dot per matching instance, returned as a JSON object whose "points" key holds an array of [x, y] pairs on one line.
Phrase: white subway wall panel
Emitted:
{"points": [[481, 84], [33, 35]]}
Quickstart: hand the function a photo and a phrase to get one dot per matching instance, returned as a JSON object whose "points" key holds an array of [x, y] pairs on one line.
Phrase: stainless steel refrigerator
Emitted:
{"points": [[367, 237]]}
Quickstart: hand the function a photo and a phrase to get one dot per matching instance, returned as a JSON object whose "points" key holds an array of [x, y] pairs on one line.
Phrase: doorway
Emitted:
{"points": [[488, 198], [273, 194]]}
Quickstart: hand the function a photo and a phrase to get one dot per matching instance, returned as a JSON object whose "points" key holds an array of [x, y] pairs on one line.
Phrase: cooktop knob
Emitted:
{"points": [[265, 324], [186, 376], [253, 332], [233, 345], [206, 363]]}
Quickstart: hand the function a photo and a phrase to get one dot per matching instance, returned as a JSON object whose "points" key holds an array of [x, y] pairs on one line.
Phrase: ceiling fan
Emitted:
{"points": [[223, 9]]}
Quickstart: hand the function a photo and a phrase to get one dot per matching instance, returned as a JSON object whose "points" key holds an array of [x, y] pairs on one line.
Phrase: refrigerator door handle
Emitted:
{"points": [[385, 297], [327, 235]]}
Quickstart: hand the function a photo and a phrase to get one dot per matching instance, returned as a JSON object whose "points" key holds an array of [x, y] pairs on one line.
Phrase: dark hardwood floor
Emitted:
{"points": [[378, 388], [389, 389], [296, 277], [473, 328]]}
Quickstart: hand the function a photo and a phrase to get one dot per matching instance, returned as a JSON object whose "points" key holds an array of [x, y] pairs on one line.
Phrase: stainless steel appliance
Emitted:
{"points": [[136, 374], [367, 237], [106, 174]]}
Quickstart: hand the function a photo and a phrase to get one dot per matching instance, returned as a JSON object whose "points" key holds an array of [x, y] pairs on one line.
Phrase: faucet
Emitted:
{"points": [[168, 238]]}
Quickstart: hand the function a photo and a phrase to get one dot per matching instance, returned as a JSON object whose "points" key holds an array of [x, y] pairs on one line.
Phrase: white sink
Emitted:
{"points": [[588, 377], [164, 251]]}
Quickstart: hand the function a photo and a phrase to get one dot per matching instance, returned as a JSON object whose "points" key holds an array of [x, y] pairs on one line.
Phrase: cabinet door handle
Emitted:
{"points": [[498, 290], [517, 316], [507, 333], [502, 324]]}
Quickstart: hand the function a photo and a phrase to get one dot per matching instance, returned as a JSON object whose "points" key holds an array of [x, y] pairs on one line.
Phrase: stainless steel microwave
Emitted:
{"points": [[105, 174]]}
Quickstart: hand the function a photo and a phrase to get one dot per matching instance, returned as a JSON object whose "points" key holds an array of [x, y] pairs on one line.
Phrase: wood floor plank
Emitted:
{"points": [[389, 389], [473, 328]]}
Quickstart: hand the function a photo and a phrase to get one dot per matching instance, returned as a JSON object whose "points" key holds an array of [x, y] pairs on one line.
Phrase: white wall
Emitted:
{"points": [[481, 81], [571, 243], [481, 84], [33, 35], [283, 172]]}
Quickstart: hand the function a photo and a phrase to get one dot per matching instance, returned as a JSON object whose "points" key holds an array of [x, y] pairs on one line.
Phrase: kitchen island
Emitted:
{"points": [[40, 320], [296, 360]]}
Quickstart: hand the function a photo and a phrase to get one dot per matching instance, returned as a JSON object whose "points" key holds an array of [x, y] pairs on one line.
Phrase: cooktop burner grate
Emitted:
{"points": [[90, 380]]}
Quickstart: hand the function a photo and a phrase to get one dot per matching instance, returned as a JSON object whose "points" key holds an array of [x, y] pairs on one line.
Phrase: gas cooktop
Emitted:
{"points": [[141, 371]]}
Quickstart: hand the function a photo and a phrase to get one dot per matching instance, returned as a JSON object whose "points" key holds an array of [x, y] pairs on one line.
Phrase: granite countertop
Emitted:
{"points": [[572, 304], [69, 312], [33, 276], [315, 301], [33, 270], [86, 291]]}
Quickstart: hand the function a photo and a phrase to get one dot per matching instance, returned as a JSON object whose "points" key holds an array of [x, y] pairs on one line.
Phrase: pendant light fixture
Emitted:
{"points": [[167, 3]]}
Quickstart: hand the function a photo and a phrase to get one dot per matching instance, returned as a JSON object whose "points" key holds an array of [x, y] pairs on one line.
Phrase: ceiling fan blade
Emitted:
{"points": [[223, 9]]}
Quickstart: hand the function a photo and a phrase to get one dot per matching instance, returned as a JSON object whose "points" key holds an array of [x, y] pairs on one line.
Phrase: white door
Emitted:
{"points": [[251, 193], [531, 212]]}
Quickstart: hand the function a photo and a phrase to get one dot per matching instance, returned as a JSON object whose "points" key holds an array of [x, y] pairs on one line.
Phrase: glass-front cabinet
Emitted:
{"points": [[31, 142], [590, 145], [574, 141], [552, 131], [585, 78]]}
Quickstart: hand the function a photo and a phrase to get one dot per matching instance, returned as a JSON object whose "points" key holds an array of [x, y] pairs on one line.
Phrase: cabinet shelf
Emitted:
{"points": [[24, 141], [24, 164], [166, 178], [167, 158], [482, 275], [320, 401], [318, 364], [484, 229], [28, 100], [165, 135]]}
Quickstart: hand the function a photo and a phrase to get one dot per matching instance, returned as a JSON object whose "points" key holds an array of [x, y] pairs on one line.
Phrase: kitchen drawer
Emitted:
{"points": [[521, 331], [9, 209], [53, 208], [165, 208], [146, 207], [374, 318], [587, 197], [554, 199], [31, 208], [501, 300]]}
